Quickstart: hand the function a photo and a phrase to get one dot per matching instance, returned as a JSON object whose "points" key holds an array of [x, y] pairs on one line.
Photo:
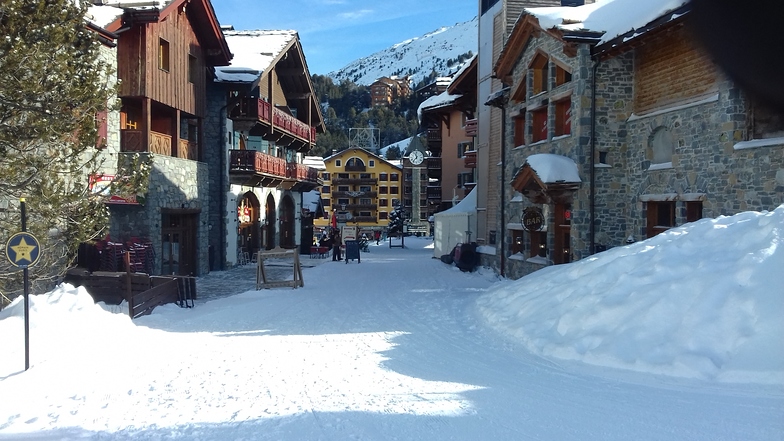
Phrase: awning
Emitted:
{"points": [[547, 178]]}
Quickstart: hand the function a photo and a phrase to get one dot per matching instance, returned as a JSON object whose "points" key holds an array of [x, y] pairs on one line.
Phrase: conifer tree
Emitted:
{"points": [[54, 84]]}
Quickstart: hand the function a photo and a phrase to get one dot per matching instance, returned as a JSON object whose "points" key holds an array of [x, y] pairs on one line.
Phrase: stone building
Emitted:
{"points": [[616, 136]]}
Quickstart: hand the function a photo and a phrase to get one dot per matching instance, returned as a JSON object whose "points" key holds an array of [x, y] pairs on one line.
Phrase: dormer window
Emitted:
{"points": [[562, 76], [539, 71]]}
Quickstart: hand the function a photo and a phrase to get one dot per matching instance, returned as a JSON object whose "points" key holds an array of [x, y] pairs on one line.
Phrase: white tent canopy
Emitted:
{"points": [[453, 226]]}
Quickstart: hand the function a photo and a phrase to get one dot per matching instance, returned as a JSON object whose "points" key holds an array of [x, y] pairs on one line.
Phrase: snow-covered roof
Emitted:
{"points": [[103, 15], [316, 162], [613, 17], [553, 168], [253, 52], [443, 99], [467, 205]]}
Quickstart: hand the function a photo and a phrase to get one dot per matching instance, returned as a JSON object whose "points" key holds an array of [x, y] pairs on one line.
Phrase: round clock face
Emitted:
{"points": [[416, 157]]}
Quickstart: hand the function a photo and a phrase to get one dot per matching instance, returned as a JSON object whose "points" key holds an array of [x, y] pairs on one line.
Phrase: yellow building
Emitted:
{"points": [[360, 188]]}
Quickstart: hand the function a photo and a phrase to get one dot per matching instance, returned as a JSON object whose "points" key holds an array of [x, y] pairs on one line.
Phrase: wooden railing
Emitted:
{"points": [[160, 144], [469, 159], [188, 150], [263, 111], [434, 192], [471, 126], [299, 172], [258, 162], [263, 163]]}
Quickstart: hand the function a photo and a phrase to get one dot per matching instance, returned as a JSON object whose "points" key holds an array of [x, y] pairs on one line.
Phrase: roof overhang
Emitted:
{"points": [[547, 178]]}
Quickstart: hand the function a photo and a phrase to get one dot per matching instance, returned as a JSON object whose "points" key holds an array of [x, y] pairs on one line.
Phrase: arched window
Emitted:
{"points": [[662, 145]]}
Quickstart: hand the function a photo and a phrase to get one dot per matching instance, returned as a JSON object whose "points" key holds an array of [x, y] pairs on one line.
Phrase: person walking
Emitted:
{"points": [[377, 235]]}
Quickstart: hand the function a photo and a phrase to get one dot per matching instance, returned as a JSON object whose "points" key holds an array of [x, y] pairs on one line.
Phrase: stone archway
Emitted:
{"points": [[248, 214], [287, 223], [270, 220]]}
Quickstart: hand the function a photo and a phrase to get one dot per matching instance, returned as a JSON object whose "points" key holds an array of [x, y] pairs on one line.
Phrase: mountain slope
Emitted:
{"points": [[442, 50]]}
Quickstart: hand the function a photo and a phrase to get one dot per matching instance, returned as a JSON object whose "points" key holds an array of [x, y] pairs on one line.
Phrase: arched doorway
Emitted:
{"points": [[248, 210], [268, 229], [287, 234]]}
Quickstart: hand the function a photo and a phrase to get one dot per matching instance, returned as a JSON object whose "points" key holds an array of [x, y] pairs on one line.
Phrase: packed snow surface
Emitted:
{"points": [[676, 337]]}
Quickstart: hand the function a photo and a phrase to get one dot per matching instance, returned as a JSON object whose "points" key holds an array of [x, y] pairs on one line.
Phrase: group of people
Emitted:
{"points": [[332, 239]]}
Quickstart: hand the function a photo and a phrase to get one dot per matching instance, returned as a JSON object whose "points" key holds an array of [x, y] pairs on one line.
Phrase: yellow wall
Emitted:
{"points": [[345, 185]]}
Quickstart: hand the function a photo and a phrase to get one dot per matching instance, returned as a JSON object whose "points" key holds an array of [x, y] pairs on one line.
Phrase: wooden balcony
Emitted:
{"points": [[434, 167], [433, 192], [258, 169], [188, 150], [469, 159], [355, 168], [132, 141], [354, 194], [434, 135], [355, 181], [262, 119], [370, 219], [362, 206], [471, 126]]}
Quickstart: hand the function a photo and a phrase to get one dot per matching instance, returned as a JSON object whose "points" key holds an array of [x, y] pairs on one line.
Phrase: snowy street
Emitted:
{"points": [[393, 348]]}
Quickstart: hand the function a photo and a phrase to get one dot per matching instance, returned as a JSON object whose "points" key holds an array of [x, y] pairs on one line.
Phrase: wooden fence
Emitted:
{"points": [[142, 291]]}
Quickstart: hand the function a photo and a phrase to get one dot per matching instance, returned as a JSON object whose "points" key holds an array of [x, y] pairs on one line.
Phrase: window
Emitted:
{"points": [[382, 190], [660, 217], [365, 201], [519, 130], [326, 202], [662, 145], [521, 93], [193, 69], [343, 201], [163, 54], [765, 122], [382, 177], [364, 176], [563, 117], [517, 241], [365, 188], [562, 76], [364, 214], [463, 147], [394, 190], [693, 211], [342, 175], [537, 244], [383, 202], [382, 215], [539, 129], [394, 177], [338, 163], [539, 70], [343, 188], [372, 162], [325, 176], [325, 189]]}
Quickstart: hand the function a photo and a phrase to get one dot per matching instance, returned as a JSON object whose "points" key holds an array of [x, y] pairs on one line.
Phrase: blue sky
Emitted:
{"points": [[337, 32]]}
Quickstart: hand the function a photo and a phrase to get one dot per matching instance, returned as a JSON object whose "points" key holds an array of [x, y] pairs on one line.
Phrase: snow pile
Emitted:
{"points": [[704, 300]]}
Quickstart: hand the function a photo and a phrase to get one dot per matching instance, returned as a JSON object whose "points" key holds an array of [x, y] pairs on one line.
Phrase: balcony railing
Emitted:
{"points": [[434, 192], [434, 135], [160, 144], [471, 126], [469, 159], [355, 168], [355, 181], [354, 194], [257, 162], [254, 168], [262, 111], [188, 150]]}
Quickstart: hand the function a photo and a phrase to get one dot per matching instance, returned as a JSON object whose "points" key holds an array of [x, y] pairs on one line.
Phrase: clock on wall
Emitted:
{"points": [[416, 157]]}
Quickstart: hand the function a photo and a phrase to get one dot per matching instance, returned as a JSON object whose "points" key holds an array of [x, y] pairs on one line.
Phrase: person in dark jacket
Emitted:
{"points": [[336, 246]]}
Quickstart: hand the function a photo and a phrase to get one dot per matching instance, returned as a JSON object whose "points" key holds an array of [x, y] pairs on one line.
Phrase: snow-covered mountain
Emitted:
{"points": [[443, 50]]}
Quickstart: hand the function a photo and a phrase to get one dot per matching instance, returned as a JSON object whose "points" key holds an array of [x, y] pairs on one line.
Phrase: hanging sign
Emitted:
{"points": [[532, 219]]}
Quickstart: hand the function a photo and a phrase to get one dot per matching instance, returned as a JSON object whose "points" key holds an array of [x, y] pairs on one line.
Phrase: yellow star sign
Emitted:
{"points": [[23, 251]]}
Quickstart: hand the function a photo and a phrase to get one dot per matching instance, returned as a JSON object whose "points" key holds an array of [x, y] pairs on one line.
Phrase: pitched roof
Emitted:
{"points": [[114, 15], [254, 52], [602, 23]]}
